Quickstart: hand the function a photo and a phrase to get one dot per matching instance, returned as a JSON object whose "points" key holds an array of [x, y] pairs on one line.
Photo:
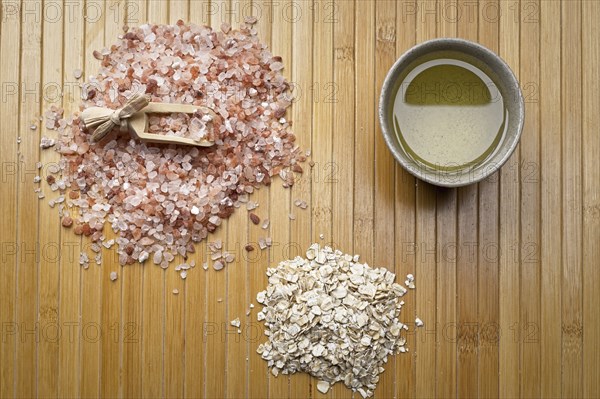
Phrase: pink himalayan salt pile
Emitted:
{"points": [[162, 199]]}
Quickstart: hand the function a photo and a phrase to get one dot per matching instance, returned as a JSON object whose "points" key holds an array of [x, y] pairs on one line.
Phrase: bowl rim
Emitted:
{"points": [[454, 44]]}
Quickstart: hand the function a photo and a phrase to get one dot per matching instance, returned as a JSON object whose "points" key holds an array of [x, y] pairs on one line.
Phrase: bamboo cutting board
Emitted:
{"points": [[508, 281]]}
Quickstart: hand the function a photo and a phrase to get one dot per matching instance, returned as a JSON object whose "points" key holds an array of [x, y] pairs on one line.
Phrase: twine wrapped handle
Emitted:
{"points": [[107, 119]]}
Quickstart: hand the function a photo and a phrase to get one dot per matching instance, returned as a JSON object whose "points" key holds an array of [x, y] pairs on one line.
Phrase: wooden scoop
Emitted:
{"points": [[133, 117]]}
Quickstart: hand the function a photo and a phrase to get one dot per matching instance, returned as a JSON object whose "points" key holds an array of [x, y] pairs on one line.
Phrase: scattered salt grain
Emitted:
{"points": [[67, 222], [113, 276], [236, 322], [262, 243], [301, 204], [254, 218], [418, 322], [250, 20], [175, 291], [84, 260], [45, 142], [218, 265], [215, 246]]}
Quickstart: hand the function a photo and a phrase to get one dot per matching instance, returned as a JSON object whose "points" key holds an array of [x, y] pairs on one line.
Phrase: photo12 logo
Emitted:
{"points": [[469, 11], [69, 11]]}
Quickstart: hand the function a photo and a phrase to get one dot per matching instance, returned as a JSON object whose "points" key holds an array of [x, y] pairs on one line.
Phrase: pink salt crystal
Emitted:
{"points": [[218, 265], [145, 241], [150, 38], [262, 243], [301, 204], [45, 142], [168, 256], [143, 256], [276, 66]]}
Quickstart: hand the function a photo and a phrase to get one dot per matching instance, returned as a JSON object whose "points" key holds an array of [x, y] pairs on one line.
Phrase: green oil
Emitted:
{"points": [[448, 113]]}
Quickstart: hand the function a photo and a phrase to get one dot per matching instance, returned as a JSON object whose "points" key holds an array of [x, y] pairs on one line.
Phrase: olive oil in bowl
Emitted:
{"points": [[451, 112], [448, 113]]}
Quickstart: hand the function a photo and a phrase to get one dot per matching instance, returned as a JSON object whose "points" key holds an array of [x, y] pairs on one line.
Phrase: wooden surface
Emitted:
{"points": [[508, 281]]}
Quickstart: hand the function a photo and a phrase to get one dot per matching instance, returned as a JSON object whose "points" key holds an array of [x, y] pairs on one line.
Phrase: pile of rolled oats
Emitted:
{"points": [[332, 317]]}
